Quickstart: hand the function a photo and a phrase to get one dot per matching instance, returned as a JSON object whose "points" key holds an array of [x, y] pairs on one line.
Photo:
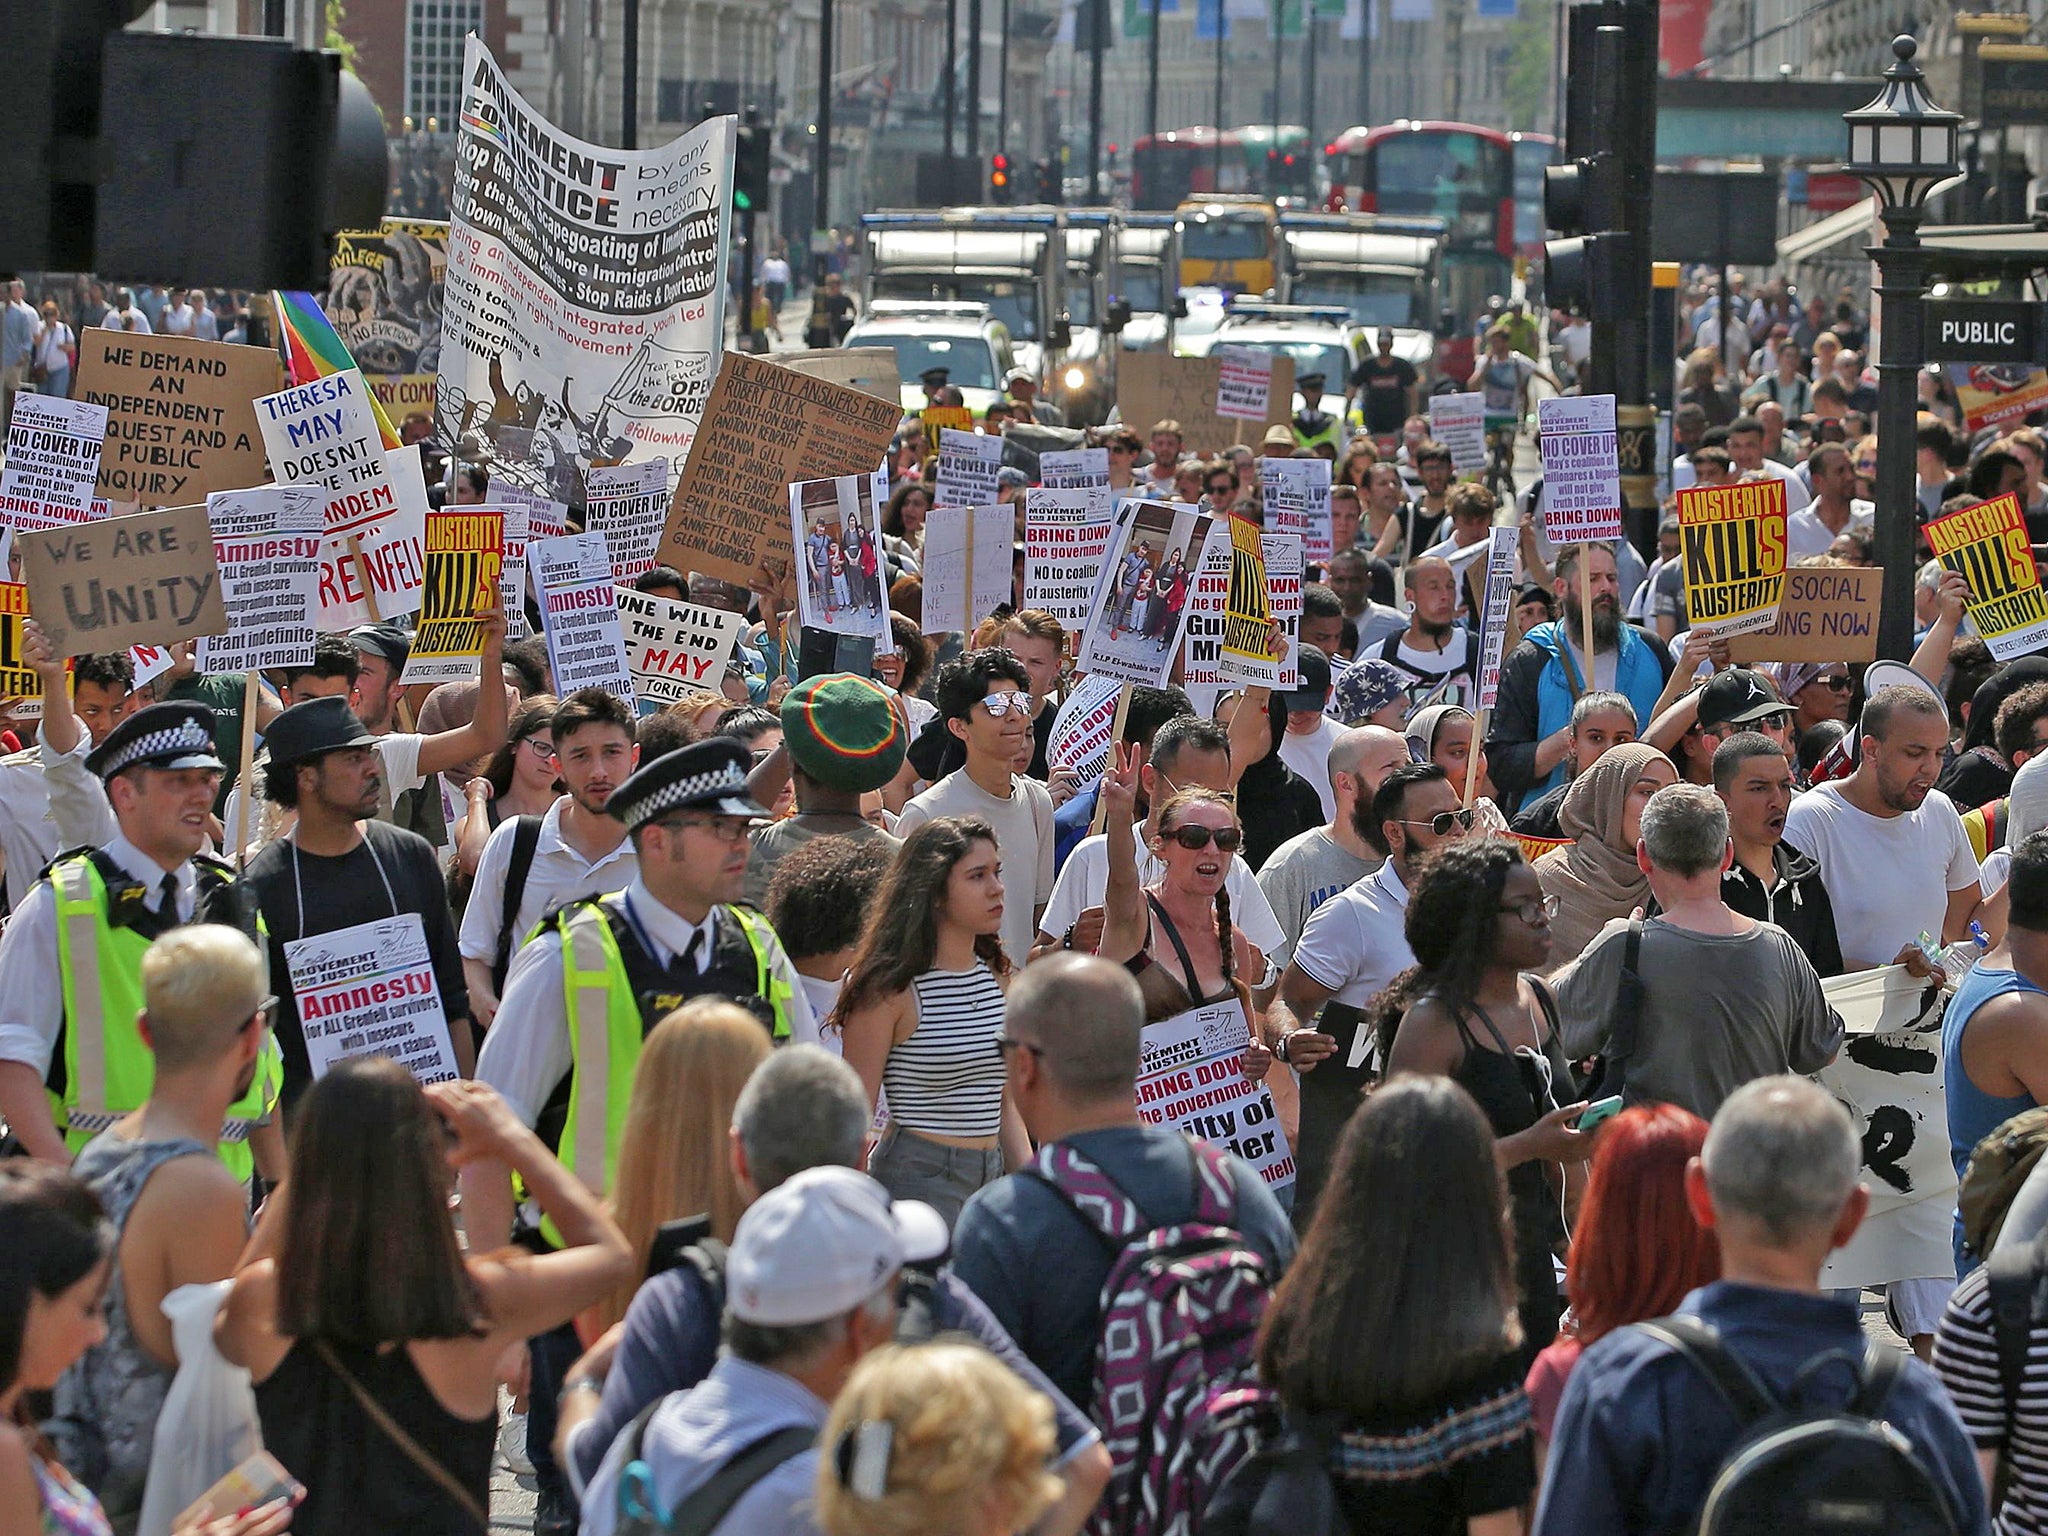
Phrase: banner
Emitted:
{"points": [[181, 414], [765, 428], [1829, 614], [1493, 629], [968, 462], [1990, 393], [1987, 544], [1244, 383], [53, 462], [1191, 1077], [673, 648], [103, 586], [1734, 547], [465, 562], [1083, 728], [1458, 423], [628, 503], [839, 560], [1581, 468], [585, 288], [586, 646], [18, 680], [266, 541], [1157, 386], [1065, 534], [966, 566], [1280, 559], [370, 990], [1140, 608], [324, 433], [384, 298]]}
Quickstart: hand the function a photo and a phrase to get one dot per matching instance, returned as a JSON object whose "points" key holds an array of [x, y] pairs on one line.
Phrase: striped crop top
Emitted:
{"points": [[947, 1078]]}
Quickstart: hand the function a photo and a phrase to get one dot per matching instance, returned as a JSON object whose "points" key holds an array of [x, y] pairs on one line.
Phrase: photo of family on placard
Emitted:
{"points": [[834, 529], [1141, 604]]}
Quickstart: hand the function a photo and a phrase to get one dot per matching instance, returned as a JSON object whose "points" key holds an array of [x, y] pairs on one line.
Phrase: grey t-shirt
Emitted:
{"points": [[778, 839], [1302, 874], [1717, 1011]]}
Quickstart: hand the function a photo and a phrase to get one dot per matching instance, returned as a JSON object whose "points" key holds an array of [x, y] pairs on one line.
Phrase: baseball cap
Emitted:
{"points": [[1739, 696], [1313, 691], [820, 1244]]}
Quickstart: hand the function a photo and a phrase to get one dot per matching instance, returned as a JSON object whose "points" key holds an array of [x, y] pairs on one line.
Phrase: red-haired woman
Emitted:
{"points": [[1637, 1251]]}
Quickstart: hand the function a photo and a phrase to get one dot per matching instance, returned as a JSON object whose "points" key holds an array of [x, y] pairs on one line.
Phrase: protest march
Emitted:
{"points": [[612, 926]]}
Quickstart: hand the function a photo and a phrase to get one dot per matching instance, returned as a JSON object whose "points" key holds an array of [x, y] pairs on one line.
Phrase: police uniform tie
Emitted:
{"points": [[692, 960], [167, 907]]}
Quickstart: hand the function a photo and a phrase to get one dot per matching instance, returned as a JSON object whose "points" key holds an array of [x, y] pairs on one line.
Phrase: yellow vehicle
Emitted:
{"points": [[1230, 241]]}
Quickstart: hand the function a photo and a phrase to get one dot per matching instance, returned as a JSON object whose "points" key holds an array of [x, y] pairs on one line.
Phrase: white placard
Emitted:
{"points": [[267, 540], [326, 433], [1201, 663], [675, 648], [512, 575], [370, 990], [966, 566], [1065, 534], [1296, 496], [1500, 591], [968, 462], [835, 526], [1581, 468], [1084, 727], [1191, 1077], [586, 646], [628, 505], [1244, 385], [53, 461], [1074, 469], [1458, 422]]}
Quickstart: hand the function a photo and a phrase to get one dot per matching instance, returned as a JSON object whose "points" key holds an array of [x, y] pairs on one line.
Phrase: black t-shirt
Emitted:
{"points": [[340, 893], [1386, 382], [831, 313]]}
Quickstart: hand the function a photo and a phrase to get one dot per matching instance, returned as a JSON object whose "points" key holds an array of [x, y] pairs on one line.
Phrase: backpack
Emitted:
{"points": [[700, 1513], [2013, 1288], [1800, 1471], [525, 840], [1180, 1313], [1999, 1165]]}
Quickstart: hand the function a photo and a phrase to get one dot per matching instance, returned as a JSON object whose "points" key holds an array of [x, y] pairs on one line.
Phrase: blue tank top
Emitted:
{"points": [[1973, 1114]]}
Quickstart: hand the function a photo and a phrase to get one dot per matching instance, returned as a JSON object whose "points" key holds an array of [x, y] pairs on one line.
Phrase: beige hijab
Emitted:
{"points": [[1594, 877]]}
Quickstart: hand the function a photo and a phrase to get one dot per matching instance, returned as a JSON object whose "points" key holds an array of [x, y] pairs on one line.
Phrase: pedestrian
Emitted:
{"points": [[1769, 879], [1647, 993], [921, 1013], [518, 780], [1308, 870], [1311, 733], [937, 1440], [1394, 1333], [18, 326], [56, 353], [1595, 877], [372, 1341], [1642, 1432], [845, 739], [1599, 720]]}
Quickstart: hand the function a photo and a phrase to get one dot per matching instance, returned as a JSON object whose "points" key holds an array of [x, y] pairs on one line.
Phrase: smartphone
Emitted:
{"points": [[1597, 1111], [260, 1480]]}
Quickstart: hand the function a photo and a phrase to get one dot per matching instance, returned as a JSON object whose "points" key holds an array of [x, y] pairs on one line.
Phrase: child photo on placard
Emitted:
{"points": [[1146, 589], [839, 557]]}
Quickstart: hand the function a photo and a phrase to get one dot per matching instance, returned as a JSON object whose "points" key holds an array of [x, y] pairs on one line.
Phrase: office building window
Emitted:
{"points": [[434, 30]]}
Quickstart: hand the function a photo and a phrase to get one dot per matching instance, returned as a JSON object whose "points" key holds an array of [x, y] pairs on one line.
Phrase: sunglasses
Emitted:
{"points": [[1442, 822], [1536, 912], [1195, 839], [1001, 704], [1837, 684]]}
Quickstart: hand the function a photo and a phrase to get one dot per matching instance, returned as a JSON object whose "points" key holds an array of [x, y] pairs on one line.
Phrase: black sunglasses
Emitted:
{"points": [[1195, 839], [1442, 822]]}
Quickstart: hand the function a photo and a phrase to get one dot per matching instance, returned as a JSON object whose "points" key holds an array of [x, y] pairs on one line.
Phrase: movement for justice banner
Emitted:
{"points": [[1734, 546], [1987, 545], [465, 558], [585, 285]]}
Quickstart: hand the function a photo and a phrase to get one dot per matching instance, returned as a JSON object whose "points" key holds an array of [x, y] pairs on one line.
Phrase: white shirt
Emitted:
{"points": [[1355, 943], [1797, 492], [1309, 755], [1084, 883], [558, 874], [31, 987], [1889, 878], [133, 321], [177, 320], [49, 803], [526, 1051], [1806, 535]]}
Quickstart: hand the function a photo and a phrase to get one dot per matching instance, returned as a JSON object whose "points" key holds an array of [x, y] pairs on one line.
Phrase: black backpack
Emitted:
{"points": [[1796, 1470], [2014, 1285]]}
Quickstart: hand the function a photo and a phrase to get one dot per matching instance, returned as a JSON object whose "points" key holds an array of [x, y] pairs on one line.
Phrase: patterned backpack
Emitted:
{"points": [[1180, 1312]]}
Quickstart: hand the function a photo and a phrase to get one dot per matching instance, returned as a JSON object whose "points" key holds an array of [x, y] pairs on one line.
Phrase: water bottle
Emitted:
{"points": [[1956, 959]]}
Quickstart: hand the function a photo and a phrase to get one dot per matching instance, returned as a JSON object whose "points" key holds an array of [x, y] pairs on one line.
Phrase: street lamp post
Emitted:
{"points": [[1904, 147]]}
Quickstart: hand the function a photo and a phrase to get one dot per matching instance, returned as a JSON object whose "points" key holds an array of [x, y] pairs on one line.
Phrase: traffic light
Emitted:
{"points": [[1587, 272], [999, 178], [115, 140], [750, 169]]}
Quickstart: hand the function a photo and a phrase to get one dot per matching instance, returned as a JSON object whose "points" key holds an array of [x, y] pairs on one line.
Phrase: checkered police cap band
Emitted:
{"points": [[176, 740], [693, 790]]}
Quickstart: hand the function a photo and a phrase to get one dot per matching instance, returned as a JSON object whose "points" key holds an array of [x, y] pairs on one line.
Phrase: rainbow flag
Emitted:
{"points": [[313, 350]]}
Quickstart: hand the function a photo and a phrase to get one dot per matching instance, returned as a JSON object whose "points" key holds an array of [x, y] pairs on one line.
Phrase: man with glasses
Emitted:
{"points": [[1353, 946], [985, 700], [534, 864], [1721, 998]]}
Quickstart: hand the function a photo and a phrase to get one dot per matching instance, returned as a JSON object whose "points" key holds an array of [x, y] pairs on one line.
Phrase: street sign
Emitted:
{"points": [[2015, 89], [1979, 331]]}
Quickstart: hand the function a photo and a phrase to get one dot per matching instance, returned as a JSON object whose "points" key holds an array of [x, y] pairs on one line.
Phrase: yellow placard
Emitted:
{"points": [[465, 559], [17, 679], [1734, 550], [1987, 545]]}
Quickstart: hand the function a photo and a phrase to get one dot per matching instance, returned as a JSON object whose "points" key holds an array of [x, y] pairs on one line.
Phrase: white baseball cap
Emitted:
{"points": [[820, 1244]]}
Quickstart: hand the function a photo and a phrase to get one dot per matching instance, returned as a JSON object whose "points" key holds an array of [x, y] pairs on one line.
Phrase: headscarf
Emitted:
{"points": [[1594, 877], [2026, 809], [1424, 724]]}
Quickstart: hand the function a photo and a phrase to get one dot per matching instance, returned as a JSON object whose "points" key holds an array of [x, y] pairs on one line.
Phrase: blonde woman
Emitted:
{"points": [[674, 1162], [935, 1440]]}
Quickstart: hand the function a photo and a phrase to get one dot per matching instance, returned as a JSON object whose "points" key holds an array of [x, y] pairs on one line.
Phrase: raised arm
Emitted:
{"points": [[1123, 901]]}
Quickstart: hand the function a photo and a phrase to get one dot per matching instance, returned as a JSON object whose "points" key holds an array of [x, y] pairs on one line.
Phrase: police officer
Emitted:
{"points": [[70, 964], [1312, 424]]}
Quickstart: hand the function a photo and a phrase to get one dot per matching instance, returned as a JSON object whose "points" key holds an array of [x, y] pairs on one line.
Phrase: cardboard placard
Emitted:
{"points": [[1829, 613], [1988, 545], [1581, 468], [465, 563], [627, 504], [675, 648], [1734, 549], [764, 427], [104, 586], [267, 542], [871, 370], [1156, 386], [53, 458], [181, 414]]}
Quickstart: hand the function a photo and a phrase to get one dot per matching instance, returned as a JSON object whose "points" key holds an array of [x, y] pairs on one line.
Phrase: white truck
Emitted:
{"points": [[1381, 270]]}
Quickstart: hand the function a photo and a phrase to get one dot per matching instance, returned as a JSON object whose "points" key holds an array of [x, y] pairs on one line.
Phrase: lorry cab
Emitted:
{"points": [[1382, 271], [1147, 274]]}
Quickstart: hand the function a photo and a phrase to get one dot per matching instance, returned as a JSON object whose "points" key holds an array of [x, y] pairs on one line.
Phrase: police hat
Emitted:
{"points": [[933, 378], [1308, 381], [704, 776], [160, 736]]}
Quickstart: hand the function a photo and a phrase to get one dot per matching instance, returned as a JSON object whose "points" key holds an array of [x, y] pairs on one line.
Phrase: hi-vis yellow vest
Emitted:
{"points": [[607, 1025], [108, 1071]]}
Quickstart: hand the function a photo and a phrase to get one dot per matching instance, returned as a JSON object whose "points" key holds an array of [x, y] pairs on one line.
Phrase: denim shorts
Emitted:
{"points": [[913, 1167]]}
